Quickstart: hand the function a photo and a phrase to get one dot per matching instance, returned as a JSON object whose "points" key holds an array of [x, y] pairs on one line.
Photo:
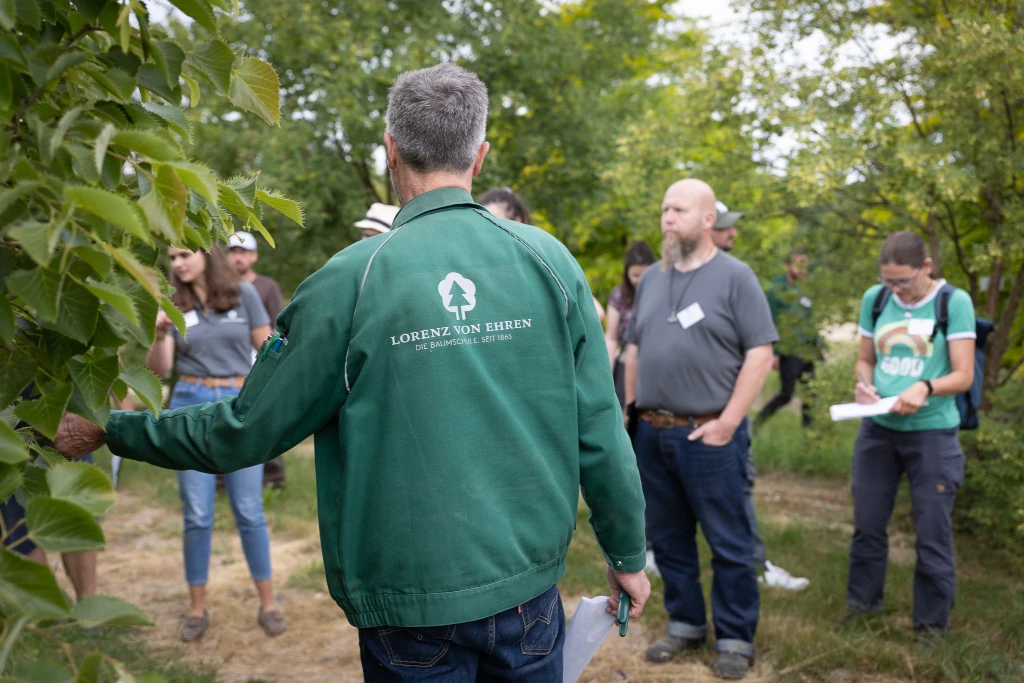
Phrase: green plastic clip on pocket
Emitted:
{"points": [[623, 617]]}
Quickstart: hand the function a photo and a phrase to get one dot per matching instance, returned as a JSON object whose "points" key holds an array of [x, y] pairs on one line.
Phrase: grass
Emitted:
{"points": [[796, 634]]}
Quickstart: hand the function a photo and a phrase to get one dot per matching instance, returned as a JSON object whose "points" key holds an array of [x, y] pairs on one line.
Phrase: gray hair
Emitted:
{"points": [[438, 118]]}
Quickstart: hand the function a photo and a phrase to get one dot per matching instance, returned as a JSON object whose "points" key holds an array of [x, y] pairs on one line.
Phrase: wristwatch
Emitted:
{"points": [[928, 383]]}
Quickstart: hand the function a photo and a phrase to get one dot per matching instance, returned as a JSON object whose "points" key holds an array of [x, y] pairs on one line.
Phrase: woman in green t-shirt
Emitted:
{"points": [[907, 357]]}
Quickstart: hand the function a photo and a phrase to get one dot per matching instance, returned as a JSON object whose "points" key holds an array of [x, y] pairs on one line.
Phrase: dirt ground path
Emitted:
{"points": [[143, 564]]}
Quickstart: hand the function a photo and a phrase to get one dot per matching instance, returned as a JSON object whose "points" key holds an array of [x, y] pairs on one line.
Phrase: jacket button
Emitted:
{"points": [[619, 563]]}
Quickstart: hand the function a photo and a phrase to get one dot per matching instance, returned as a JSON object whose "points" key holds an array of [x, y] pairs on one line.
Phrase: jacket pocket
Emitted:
{"points": [[542, 620], [416, 647], [255, 382]]}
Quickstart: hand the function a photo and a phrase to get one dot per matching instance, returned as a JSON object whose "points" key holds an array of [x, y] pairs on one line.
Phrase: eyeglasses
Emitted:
{"points": [[900, 284]]}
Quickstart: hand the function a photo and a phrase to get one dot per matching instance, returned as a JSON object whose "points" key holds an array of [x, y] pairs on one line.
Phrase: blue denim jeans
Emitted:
{"points": [[245, 491], [520, 644], [687, 483]]}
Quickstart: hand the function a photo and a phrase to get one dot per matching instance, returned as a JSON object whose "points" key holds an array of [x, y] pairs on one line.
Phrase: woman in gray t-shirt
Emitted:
{"points": [[224, 321]]}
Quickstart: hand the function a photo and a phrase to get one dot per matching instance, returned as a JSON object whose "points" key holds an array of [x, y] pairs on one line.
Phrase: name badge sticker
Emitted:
{"points": [[690, 316], [191, 318], [921, 327]]}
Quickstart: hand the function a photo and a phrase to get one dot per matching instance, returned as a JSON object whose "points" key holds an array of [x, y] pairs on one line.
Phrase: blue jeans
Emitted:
{"points": [[245, 491], [688, 483], [520, 644]]}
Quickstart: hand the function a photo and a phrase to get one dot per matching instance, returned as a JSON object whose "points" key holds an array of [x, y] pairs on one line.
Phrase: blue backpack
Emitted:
{"points": [[969, 402]]}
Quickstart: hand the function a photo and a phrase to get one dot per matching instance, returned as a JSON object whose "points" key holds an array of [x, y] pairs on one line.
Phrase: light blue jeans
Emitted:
{"points": [[245, 491]]}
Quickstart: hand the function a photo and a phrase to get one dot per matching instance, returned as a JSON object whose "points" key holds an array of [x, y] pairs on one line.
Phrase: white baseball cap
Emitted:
{"points": [[724, 218], [378, 217], [242, 239]]}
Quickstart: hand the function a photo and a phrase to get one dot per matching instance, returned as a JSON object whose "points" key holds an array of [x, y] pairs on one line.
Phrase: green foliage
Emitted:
{"points": [[95, 180], [991, 503]]}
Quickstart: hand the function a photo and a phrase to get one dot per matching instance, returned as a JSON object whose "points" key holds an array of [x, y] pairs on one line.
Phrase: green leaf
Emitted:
{"points": [[62, 527], [76, 312], [10, 480], [15, 374], [152, 78], [78, 406], [116, 82], [174, 314], [28, 13], [146, 277], [115, 297], [198, 236], [38, 288], [213, 60], [168, 58], [245, 186], [41, 671], [235, 204], [97, 260], [65, 62], [6, 321], [29, 588], [45, 412], [200, 10], [12, 448], [151, 144], [106, 335], [90, 9], [83, 484], [7, 14], [110, 207], [145, 384], [89, 671], [65, 123], [165, 204], [291, 209], [33, 482], [35, 238], [49, 456], [94, 377], [9, 195], [6, 87], [102, 142], [197, 177], [193, 91], [174, 117], [100, 610], [256, 88]]}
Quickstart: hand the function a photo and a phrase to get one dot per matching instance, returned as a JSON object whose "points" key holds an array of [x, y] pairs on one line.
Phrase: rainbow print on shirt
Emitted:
{"points": [[892, 344]]}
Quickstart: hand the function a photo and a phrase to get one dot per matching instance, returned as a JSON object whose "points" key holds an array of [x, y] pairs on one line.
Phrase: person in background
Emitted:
{"points": [[724, 234], [505, 203], [639, 256], [225, 320], [724, 237], [378, 220], [243, 255], [904, 353], [699, 346], [799, 344]]}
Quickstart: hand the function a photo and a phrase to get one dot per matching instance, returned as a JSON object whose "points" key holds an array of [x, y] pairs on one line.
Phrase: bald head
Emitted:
{"points": [[687, 218]]}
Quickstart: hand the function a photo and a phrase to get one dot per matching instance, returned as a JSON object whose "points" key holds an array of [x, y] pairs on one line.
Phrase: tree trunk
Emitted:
{"points": [[992, 296], [934, 248], [999, 341]]}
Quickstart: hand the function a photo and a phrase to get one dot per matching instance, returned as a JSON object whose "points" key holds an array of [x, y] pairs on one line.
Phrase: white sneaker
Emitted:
{"points": [[777, 577], [651, 566]]}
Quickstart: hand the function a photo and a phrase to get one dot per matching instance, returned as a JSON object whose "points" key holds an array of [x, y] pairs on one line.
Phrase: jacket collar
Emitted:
{"points": [[441, 198]]}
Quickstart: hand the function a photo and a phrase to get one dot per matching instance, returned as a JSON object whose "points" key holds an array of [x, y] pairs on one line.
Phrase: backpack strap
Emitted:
{"points": [[881, 299], [942, 309]]}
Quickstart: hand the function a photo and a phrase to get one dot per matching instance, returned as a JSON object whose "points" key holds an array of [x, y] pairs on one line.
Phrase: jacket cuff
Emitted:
{"points": [[628, 563], [111, 431]]}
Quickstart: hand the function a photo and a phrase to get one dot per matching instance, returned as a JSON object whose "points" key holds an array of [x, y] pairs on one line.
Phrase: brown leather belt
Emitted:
{"points": [[663, 419], [213, 382]]}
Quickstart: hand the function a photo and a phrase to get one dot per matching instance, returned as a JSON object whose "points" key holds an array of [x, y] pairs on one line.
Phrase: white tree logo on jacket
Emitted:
{"points": [[458, 294]]}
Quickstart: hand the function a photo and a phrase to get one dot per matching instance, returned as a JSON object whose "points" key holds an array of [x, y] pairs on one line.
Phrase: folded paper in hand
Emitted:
{"points": [[587, 630], [853, 411]]}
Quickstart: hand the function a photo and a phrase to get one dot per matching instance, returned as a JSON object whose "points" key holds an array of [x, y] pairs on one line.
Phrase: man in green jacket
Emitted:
{"points": [[472, 346]]}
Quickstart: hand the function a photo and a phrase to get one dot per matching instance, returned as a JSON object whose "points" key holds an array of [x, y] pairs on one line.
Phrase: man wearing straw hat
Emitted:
{"points": [[378, 219], [455, 375]]}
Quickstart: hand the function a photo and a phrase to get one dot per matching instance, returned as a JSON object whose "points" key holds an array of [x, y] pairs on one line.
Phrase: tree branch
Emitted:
{"points": [[1013, 371]]}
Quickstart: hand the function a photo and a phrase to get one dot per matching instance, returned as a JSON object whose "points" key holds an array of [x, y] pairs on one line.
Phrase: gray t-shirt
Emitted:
{"points": [[692, 371], [220, 345]]}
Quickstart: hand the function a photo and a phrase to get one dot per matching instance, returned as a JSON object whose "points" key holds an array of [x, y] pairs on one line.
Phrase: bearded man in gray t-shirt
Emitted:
{"points": [[699, 348]]}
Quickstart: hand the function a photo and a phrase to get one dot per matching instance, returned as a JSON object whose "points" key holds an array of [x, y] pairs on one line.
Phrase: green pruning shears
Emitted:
{"points": [[623, 617]]}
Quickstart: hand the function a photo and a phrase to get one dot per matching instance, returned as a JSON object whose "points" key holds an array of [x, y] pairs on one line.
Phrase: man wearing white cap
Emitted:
{"points": [[243, 255], [378, 219]]}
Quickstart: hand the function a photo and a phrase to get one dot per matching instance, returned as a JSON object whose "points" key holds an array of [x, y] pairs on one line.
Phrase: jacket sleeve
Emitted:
{"points": [[608, 473], [288, 395]]}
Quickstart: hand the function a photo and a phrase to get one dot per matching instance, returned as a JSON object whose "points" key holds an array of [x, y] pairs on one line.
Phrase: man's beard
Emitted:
{"points": [[675, 248]]}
